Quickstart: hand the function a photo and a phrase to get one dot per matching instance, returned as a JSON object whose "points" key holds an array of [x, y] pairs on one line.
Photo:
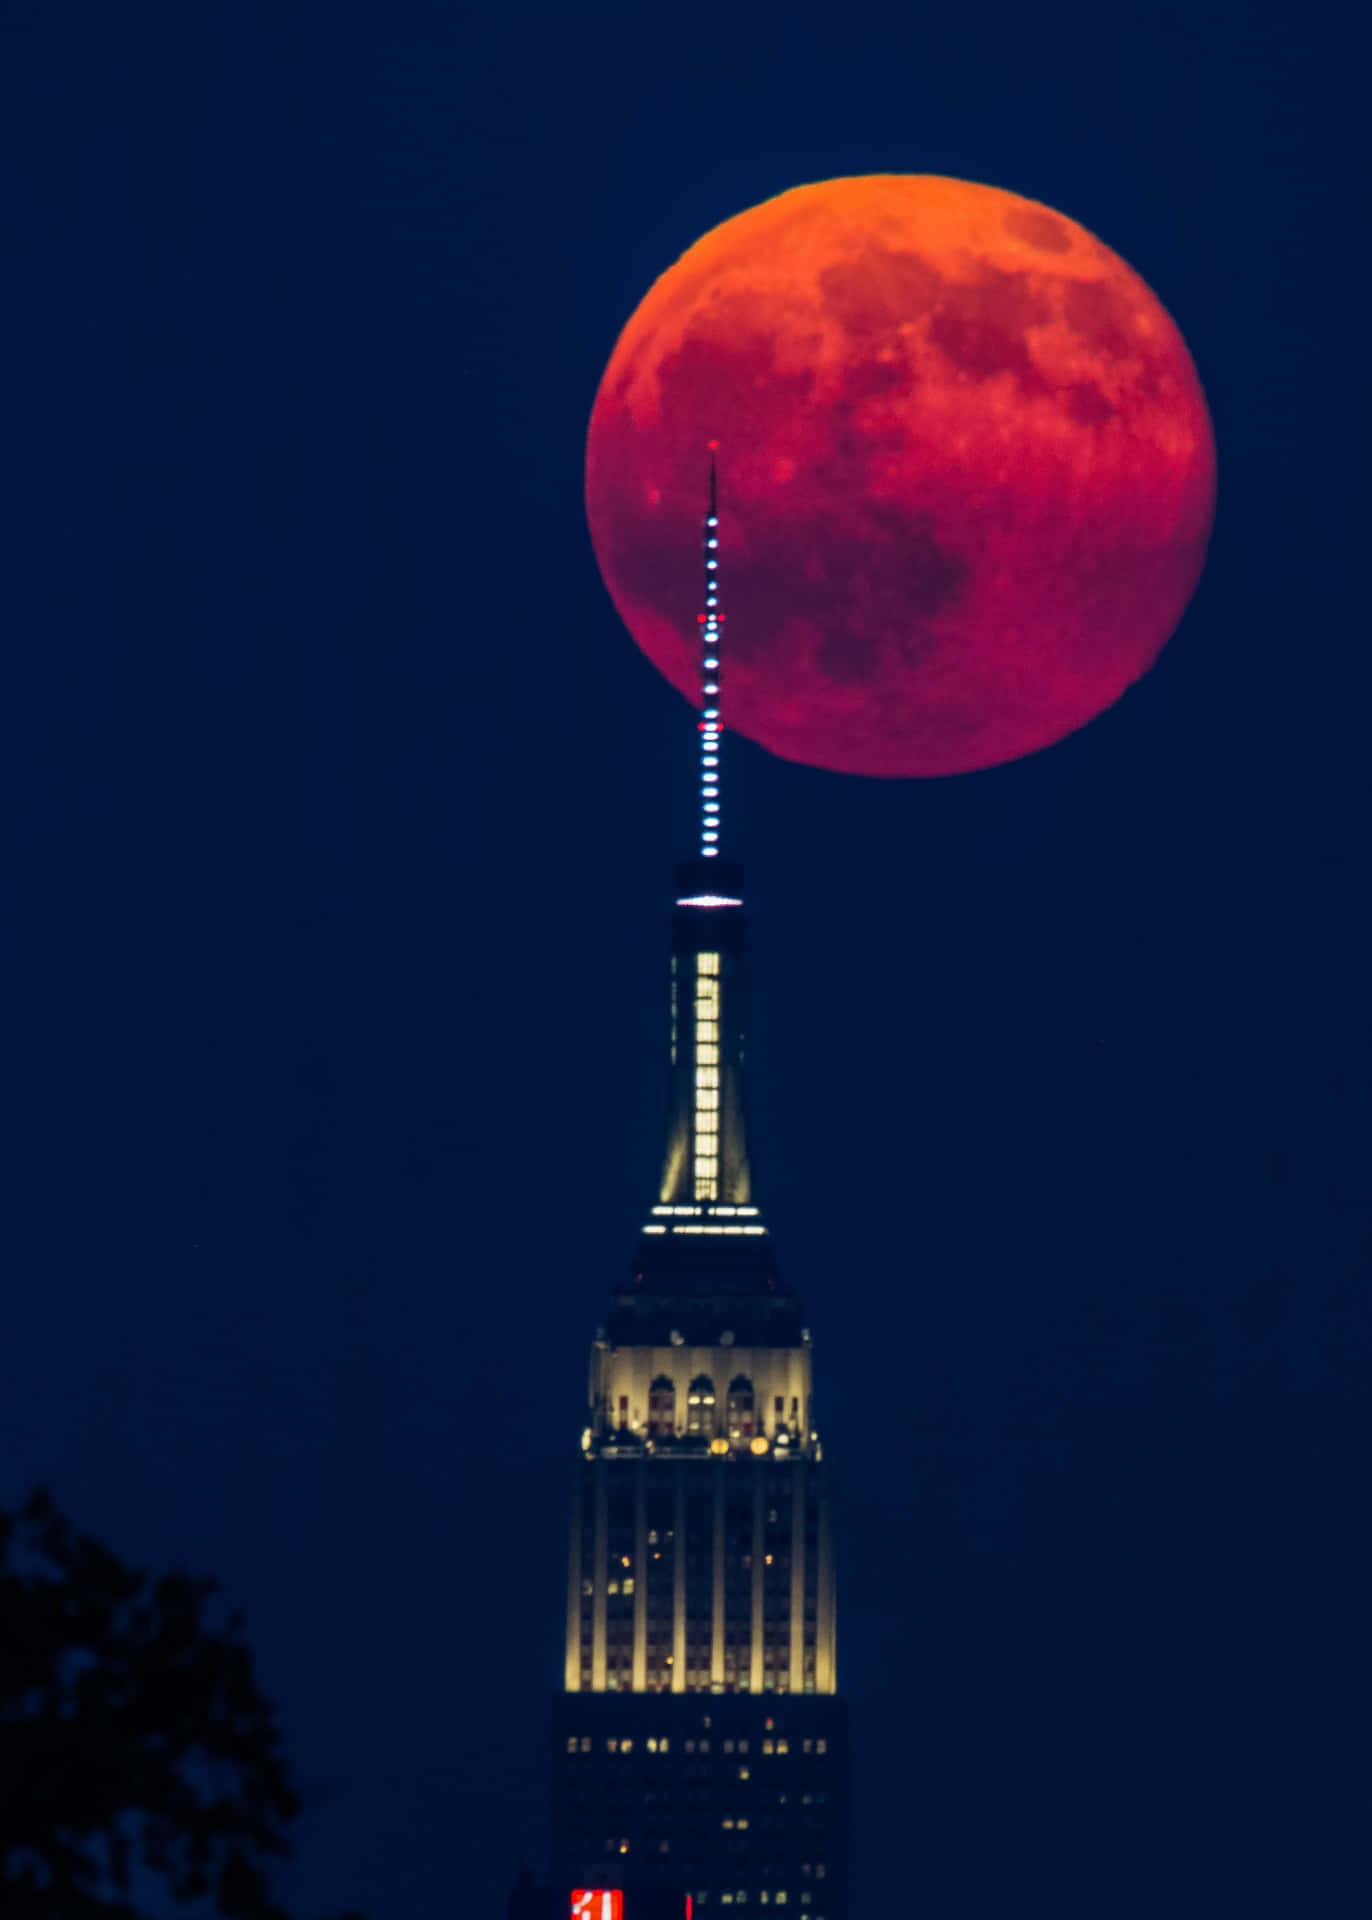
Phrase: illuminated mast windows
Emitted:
{"points": [[707, 1077]]}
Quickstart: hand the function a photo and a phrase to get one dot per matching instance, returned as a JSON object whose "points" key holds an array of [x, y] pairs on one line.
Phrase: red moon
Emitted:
{"points": [[966, 473]]}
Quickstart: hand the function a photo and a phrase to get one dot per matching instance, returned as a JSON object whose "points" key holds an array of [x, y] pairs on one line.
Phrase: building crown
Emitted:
{"points": [[705, 1241]]}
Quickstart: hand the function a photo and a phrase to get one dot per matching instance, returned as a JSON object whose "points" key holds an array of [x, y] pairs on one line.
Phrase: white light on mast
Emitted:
{"points": [[711, 638]]}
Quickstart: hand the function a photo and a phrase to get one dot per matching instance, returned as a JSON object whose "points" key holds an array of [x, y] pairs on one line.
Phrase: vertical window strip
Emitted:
{"points": [[707, 1077]]}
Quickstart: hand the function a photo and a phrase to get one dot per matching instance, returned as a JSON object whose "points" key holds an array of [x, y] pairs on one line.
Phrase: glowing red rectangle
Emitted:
{"points": [[597, 1903]]}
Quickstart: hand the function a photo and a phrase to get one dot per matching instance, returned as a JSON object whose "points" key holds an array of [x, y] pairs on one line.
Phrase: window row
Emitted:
{"points": [[741, 1410]]}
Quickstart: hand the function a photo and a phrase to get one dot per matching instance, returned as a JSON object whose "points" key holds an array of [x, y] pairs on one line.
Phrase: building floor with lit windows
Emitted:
{"points": [[739, 1801]]}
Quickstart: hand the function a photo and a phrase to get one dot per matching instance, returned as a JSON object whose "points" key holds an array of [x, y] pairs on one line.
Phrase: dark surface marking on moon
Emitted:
{"points": [[847, 657], [901, 581], [915, 647], [879, 289], [930, 576], [1095, 310], [1087, 404], [727, 373], [871, 379], [856, 442], [1037, 230], [980, 325]]}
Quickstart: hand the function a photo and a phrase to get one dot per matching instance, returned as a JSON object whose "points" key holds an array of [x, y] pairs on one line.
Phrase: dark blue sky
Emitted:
{"points": [[340, 820]]}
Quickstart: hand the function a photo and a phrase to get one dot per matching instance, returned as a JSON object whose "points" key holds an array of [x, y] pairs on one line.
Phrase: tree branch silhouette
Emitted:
{"points": [[133, 1737]]}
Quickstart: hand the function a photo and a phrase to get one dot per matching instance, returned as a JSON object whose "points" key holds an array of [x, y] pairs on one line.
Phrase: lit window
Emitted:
{"points": [[821, 1746], [572, 1743], [743, 1773]]}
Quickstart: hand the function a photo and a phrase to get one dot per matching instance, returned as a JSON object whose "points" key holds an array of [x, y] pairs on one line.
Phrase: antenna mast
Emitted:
{"points": [[709, 680]]}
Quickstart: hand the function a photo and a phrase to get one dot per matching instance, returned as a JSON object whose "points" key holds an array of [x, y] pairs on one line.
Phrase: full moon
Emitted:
{"points": [[966, 473]]}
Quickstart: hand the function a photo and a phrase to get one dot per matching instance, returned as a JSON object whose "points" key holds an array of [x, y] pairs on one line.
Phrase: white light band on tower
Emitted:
{"points": [[707, 1064]]}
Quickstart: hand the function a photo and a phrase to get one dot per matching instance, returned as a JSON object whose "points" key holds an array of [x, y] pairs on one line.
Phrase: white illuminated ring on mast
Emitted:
{"points": [[710, 729]]}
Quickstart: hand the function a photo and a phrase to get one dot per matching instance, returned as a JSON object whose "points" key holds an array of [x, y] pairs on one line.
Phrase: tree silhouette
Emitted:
{"points": [[134, 1743]]}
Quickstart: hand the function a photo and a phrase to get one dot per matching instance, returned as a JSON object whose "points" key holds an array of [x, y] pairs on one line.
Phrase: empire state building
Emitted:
{"points": [[700, 1742]]}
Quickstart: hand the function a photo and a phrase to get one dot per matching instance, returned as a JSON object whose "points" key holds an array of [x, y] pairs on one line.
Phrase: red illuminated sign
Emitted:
{"points": [[597, 1903]]}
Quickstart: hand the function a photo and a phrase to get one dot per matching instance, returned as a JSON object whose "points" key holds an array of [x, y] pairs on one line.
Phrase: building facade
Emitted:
{"points": [[700, 1744]]}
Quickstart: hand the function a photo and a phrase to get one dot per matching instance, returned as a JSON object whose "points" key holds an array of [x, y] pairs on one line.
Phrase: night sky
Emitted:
{"points": [[340, 814]]}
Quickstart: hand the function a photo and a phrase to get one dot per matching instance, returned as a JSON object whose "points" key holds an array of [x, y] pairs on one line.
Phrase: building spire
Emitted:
{"points": [[710, 622]]}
